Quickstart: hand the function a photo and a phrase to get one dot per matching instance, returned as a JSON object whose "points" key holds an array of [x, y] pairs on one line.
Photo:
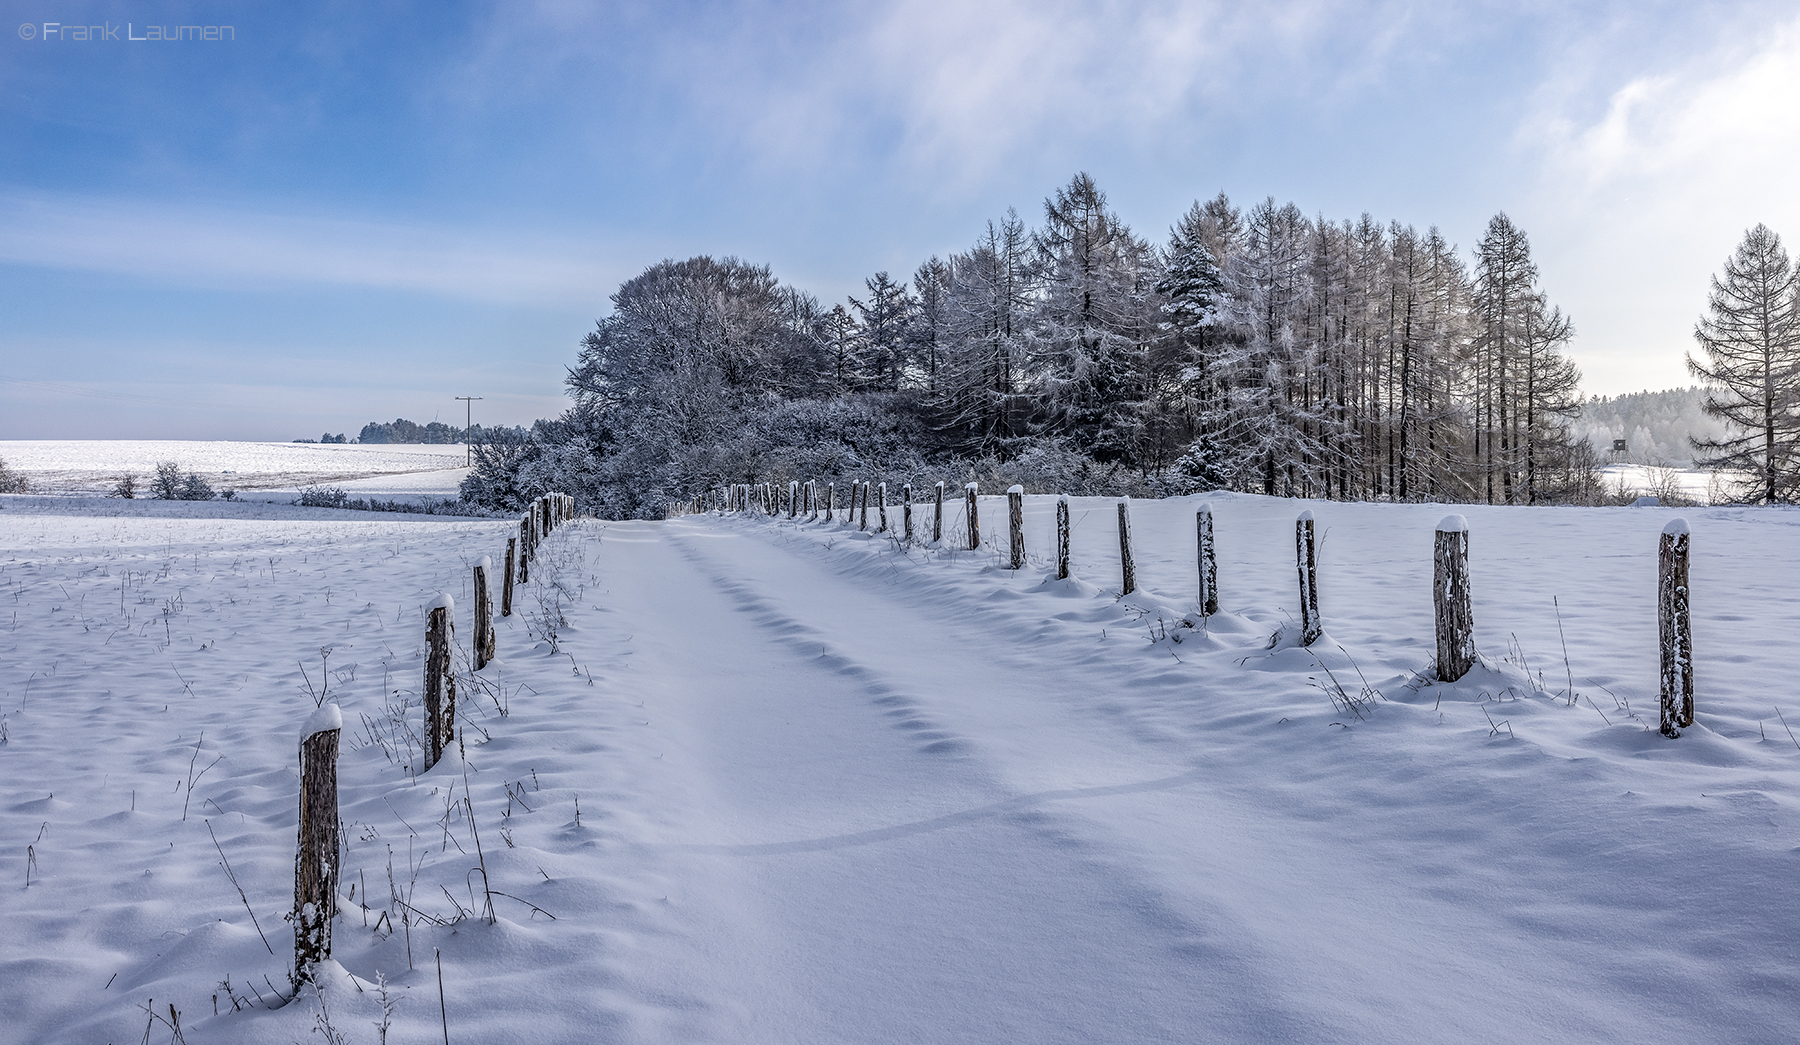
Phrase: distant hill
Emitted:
{"points": [[1655, 425]]}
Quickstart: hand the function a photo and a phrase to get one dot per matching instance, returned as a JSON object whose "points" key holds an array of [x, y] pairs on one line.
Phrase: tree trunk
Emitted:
{"points": [[974, 516], [1311, 627], [1127, 566], [440, 681], [506, 586], [1452, 601], [1209, 566], [1015, 519], [1062, 538], [1675, 629], [316, 856], [483, 646]]}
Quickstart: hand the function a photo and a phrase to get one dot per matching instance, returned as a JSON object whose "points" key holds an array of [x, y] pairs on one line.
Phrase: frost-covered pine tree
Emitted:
{"points": [[1751, 337], [881, 341], [1094, 321]]}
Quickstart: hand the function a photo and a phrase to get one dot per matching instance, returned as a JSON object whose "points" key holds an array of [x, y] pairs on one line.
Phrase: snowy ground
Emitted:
{"points": [[261, 471], [835, 790]]}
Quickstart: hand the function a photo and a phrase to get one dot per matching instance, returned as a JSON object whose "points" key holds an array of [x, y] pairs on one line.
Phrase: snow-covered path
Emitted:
{"points": [[834, 789]]}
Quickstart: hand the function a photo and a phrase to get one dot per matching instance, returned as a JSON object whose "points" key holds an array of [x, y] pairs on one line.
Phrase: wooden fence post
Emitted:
{"points": [[850, 516], [524, 552], [1015, 524], [831, 502], [1127, 567], [793, 498], [1451, 599], [483, 646], [906, 511], [937, 521], [440, 680], [881, 504], [1062, 537], [974, 515], [1306, 559], [506, 585], [1675, 629], [864, 524], [1209, 565], [316, 855]]}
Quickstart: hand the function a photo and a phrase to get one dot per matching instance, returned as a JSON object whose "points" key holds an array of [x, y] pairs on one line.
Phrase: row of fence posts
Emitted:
{"points": [[315, 858], [1452, 602]]}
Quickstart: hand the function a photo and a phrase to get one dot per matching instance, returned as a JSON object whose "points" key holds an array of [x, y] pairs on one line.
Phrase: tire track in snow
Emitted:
{"points": [[1019, 893]]}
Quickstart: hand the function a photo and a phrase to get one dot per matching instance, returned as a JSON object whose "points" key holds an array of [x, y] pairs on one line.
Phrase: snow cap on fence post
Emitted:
{"points": [[1453, 524], [323, 718]]}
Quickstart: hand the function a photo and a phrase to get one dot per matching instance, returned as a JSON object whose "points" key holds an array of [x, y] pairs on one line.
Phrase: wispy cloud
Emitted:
{"points": [[1640, 203], [205, 247]]}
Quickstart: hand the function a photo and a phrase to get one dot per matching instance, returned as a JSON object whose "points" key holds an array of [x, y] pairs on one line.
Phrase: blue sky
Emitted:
{"points": [[354, 212]]}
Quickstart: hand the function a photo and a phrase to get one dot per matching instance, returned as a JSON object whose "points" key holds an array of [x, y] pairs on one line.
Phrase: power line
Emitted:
{"points": [[469, 428]]}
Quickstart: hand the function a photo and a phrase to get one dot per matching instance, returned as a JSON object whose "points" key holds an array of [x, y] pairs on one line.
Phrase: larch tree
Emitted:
{"points": [[1751, 338]]}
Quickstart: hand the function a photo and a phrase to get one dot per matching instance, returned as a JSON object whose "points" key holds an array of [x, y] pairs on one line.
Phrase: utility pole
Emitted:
{"points": [[469, 427]]}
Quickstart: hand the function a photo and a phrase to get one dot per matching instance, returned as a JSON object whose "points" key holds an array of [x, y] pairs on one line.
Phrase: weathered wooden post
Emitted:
{"points": [[524, 552], [906, 511], [937, 520], [864, 523], [316, 856], [850, 516], [1675, 629], [881, 503], [440, 679], [1451, 599], [1062, 537], [1127, 566], [1015, 523], [831, 502], [1311, 627], [974, 514], [483, 645], [1209, 565], [506, 584]]}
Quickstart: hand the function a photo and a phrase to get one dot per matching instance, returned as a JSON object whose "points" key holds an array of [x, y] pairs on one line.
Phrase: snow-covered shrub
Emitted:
{"points": [[126, 487], [171, 484], [11, 481], [322, 497]]}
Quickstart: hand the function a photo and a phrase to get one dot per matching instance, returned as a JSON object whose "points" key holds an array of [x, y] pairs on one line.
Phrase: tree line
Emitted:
{"points": [[1254, 349]]}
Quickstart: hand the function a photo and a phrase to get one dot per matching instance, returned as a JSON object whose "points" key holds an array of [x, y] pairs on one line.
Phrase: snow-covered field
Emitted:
{"points": [[262, 470], [831, 789]]}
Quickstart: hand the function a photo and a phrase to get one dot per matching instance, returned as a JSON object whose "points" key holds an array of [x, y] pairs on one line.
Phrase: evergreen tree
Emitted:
{"points": [[1751, 337]]}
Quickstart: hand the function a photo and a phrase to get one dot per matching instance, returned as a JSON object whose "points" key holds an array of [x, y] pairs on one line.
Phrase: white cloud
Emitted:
{"points": [[1637, 207], [197, 246]]}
